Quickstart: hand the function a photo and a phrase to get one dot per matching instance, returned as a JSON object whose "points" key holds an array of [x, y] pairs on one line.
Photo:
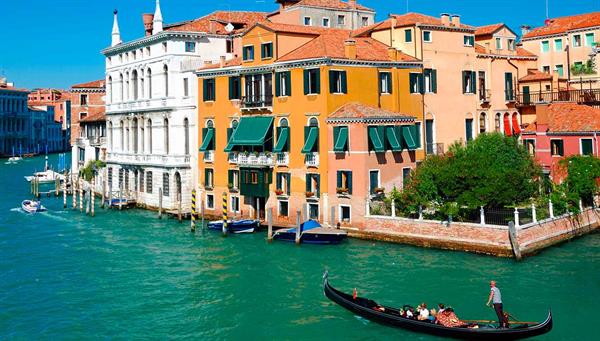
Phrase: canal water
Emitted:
{"points": [[128, 275]]}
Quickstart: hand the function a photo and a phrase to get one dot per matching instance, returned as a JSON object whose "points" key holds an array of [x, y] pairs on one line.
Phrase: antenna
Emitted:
{"points": [[547, 17], [406, 6]]}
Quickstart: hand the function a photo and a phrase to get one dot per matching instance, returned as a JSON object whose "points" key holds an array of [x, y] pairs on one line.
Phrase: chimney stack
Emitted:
{"points": [[350, 48], [352, 4], [148, 18], [222, 61], [456, 20], [525, 29], [445, 19], [393, 53]]}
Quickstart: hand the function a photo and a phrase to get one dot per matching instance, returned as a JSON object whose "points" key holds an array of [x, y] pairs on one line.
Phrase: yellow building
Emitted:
{"points": [[265, 140]]}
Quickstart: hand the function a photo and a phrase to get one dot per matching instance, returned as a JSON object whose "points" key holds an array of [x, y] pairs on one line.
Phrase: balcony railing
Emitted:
{"points": [[149, 159], [582, 96], [233, 157], [283, 159], [257, 101], [312, 159], [209, 156], [485, 95], [261, 159], [434, 148]]}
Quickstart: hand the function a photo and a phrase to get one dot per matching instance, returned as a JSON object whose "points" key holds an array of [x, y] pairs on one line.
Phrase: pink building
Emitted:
{"points": [[561, 130]]}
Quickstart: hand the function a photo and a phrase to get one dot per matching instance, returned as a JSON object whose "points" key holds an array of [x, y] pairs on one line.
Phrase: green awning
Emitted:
{"points": [[251, 131], [208, 138], [282, 139], [393, 139], [309, 144], [376, 139], [342, 140], [229, 146], [409, 137]]}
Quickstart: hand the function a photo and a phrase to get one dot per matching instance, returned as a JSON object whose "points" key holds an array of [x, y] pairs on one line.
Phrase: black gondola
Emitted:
{"points": [[391, 316]]}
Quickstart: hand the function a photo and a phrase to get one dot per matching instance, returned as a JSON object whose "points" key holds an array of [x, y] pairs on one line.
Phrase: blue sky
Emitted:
{"points": [[57, 43]]}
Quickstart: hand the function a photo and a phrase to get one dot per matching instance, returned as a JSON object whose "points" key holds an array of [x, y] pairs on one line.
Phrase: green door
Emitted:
{"points": [[526, 97]]}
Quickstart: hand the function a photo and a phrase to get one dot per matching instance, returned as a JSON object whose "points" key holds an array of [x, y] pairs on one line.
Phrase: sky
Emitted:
{"points": [[57, 43]]}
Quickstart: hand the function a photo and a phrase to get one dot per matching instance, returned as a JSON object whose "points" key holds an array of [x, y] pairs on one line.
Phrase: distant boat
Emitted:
{"points": [[31, 206], [14, 159], [48, 176], [311, 233], [235, 226]]}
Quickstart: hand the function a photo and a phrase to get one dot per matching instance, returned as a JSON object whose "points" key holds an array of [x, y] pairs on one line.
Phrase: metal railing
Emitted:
{"points": [[233, 157], [257, 101], [260, 159], [154, 159], [283, 159], [485, 95], [312, 159], [582, 96], [209, 156]]}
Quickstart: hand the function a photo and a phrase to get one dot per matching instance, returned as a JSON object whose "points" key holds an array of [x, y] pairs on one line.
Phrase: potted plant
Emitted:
{"points": [[310, 194], [246, 153], [341, 190], [279, 191], [256, 153]]}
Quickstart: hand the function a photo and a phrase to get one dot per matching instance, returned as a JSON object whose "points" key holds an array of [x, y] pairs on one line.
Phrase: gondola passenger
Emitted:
{"points": [[423, 312]]}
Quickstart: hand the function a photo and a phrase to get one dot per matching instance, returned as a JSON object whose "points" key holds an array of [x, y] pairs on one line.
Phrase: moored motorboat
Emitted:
{"points": [[369, 309], [14, 159], [311, 232], [31, 206], [235, 226], [48, 176]]}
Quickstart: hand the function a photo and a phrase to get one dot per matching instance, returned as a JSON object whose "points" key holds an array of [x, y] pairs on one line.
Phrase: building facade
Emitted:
{"points": [[151, 103], [15, 120], [87, 99], [323, 13], [61, 101], [91, 144], [269, 123]]}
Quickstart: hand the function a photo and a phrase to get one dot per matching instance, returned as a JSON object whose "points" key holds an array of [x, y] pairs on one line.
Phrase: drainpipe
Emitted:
{"points": [[516, 68]]}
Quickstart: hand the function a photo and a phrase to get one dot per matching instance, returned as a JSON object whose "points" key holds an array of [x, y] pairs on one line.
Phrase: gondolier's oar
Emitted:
{"points": [[493, 321]]}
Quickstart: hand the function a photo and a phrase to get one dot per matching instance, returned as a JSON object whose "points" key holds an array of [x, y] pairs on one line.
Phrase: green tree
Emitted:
{"points": [[582, 177]]}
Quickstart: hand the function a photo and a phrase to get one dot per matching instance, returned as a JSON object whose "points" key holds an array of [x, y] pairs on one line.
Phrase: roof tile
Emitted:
{"points": [[565, 24], [570, 117], [359, 110]]}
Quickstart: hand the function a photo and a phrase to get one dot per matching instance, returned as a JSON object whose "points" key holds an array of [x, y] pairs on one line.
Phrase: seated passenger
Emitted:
{"points": [[432, 315], [410, 313], [441, 308], [423, 312], [379, 308], [448, 318]]}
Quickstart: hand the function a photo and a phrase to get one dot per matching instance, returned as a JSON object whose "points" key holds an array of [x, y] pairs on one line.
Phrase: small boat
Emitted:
{"points": [[311, 232], [31, 206], [14, 159], [235, 226], [48, 176], [391, 316]]}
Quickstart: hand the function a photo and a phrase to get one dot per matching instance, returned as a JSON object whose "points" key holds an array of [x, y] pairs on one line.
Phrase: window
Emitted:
{"points": [[284, 209], [497, 122], [509, 94], [469, 40], [427, 36], [408, 36], [406, 176], [498, 43], [365, 21], [209, 181], [186, 87], [576, 40], [313, 184], [545, 46], [266, 50], [235, 87], [345, 213], [385, 83], [468, 82], [149, 129], [312, 80], [84, 99], [235, 204], [141, 180], [586, 146], [165, 184], [578, 66], [560, 70], [164, 46], [110, 176], [307, 21], [149, 75], [556, 148], [430, 80], [482, 123], [468, 129], [325, 22], [529, 146], [337, 82], [82, 115], [186, 139], [166, 74], [373, 181], [589, 39], [282, 183], [483, 96], [341, 20], [344, 182], [148, 51], [121, 174], [283, 83], [248, 53], [416, 83], [209, 90], [313, 211], [229, 46], [546, 68], [166, 136], [558, 45], [190, 46], [233, 179], [511, 44], [210, 201]]}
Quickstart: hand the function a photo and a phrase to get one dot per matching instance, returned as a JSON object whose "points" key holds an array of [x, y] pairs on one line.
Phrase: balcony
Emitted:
{"points": [[434, 148], [283, 159], [485, 96], [582, 96], [312, 160], [149, 159], [257, 102], [233, 157], [260, 159], [209, 156], [140, 105]]}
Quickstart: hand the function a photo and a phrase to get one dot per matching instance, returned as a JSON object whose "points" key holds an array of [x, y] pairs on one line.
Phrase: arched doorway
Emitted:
{"points": [[178, 189]]}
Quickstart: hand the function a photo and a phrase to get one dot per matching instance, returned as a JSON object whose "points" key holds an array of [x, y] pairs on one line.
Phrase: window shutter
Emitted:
{"points": [[318, 77], [306, 83], [344, 83], [336, 134], [205, 90], [231, 87], [421, 85], [287, 182], [332, 81], [204, 131], [389, 82], [307, 179], [349, 177], [206, 177], [379, 81], [318, 181], [245, 53], [339, 179], [278, 84], [306, 131], [464, 84], [229, 177], [278, 180], [288, 83], [434, 81], [229, 133], [473, 84]]}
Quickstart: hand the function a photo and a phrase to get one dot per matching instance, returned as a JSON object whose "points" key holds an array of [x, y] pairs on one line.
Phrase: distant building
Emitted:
{"points": [[323, 13], [15, 120], [90, 145], [87, 99], [61, 101], [46, 133]]}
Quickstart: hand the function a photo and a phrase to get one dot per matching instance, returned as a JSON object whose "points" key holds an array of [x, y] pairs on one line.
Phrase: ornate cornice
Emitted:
{"points": [[369, 120], [446, 28], [156, 38]]}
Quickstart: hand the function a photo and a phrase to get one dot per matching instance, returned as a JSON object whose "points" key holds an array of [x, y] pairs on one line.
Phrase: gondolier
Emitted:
{"points": [[496, 299]]}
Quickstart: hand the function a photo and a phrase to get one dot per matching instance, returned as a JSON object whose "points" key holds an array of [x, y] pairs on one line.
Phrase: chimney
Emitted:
{"points": [[212, 26], [350, 48], [456, 20], [352, 4], [445, 19], [525, 29], [222, 61], [148, 18], [393, 53]]}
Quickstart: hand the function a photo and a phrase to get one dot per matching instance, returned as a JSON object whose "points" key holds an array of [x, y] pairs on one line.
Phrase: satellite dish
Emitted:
{"points": [[229, 28]]}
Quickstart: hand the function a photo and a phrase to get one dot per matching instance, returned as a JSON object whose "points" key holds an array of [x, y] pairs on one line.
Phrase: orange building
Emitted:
{"points": [[274, 131]]}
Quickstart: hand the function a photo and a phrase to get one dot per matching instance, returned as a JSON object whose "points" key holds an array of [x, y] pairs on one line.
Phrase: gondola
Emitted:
{"points": [[235, 226], [366, 308]]}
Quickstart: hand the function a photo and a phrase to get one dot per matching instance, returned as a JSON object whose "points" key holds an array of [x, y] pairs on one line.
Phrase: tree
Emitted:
{"points": [[492, 171], [583, 173]]}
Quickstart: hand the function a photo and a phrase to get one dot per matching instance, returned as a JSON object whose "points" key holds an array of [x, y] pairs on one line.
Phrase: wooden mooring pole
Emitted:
{"points": [[73, 192], [270, 224], [65, 193], [298, 223], [92, 197], [179, 214], [193, 220], [160, 203], [514, 243]]}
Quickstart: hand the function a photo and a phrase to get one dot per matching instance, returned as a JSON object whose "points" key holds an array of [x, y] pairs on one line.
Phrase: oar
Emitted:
{"points": [[493, 321]]}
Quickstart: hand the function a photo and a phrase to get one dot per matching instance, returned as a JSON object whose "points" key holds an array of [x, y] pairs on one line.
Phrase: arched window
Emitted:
{"points": [[482, 123], [166, 136], [134, 81], [166, 74], [149, 75], [313, 122], [498, 123], [142, 85], [210, 124], [186, 128], [234, 124], [149, 132], [110, 89], [122, 136], [127, 85], [122, 86], [134, 128], [284, 122], [127, 143], [142, 136]]}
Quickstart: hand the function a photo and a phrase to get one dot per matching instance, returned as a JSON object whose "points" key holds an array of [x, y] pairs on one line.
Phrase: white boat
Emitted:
{"points": [[48, 176], [31, 206], [14, 159]]}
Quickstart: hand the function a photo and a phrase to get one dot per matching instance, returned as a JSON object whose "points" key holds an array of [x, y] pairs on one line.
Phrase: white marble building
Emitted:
{"points": [[151, 114]]}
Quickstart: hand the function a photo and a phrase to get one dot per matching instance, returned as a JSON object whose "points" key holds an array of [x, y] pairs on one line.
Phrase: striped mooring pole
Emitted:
{"points": [[193, 227], [224, 213]]}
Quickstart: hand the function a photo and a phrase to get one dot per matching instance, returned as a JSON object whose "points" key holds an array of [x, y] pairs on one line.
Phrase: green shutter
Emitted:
{"points": [[344, 83], [392, 138], [318, 77], [407, 36], [349, 176], [434, 81], [204, 90], [339, 179], [229, 177], [390, 82], [336, 133], [417, 133], [306, 83], [340, 139], [245, 53], [376, 139], [409, 138], [311, 135], [229, 132], [332, 75], [288, 83], [282, 140], [278, 84], [307, 180], [464, 84], [473, 83], [373, 183], [207, 139], [206, 177], [231, 85], [421, 83], [318, 181]]}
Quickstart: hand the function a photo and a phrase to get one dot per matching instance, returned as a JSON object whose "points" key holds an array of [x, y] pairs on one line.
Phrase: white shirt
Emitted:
{"points": [[424, 313], [409, 314]]}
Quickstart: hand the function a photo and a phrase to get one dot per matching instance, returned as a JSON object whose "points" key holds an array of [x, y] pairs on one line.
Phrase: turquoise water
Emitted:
{"points": [[128, 275]]}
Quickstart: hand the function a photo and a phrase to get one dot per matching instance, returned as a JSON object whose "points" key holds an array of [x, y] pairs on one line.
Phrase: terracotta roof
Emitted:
{"points": [[565, 24], [534, 75], [93, 84], [216, 22], [12, 88], [488, 29], [333, 4], [480, 49], [97, 117], [332, 44], [231, 62], [570, 117], [525, 53], [361, 111], [410, 19]]}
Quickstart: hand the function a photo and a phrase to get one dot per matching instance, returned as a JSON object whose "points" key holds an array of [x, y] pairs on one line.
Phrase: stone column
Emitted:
{"points": [[393, 208], [367, 208], [516, 217], [533, 213], [482, 215], [551, 209]]}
